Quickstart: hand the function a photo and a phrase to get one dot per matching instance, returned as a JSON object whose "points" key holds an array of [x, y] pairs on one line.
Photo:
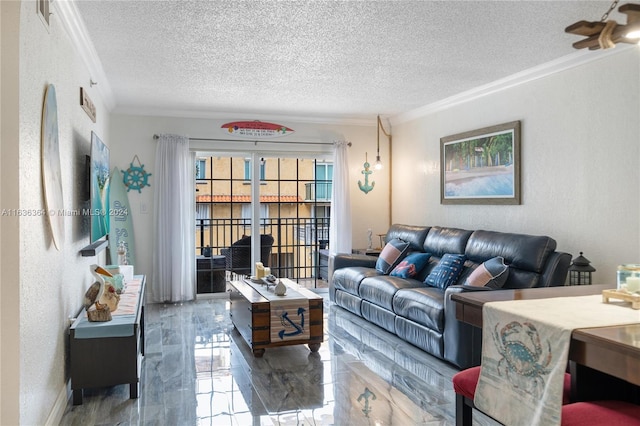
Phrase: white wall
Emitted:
{"points": [[580, 153], [133, 135], [46, 285]]}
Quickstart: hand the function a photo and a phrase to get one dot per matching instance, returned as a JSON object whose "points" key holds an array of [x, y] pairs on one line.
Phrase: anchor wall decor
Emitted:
{"points": [[366, 188]]}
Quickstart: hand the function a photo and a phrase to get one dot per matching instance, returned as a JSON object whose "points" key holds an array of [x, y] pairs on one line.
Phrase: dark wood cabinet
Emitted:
{"points": [[109, 353]]}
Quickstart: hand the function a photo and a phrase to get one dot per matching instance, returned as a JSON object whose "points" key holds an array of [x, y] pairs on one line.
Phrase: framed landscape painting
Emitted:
{"points": [[481, 166]]}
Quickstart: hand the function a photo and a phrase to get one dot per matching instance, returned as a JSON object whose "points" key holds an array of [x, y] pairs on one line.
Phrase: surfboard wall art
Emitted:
{"points": [[121, 221], [51, 170], [256, 129]]}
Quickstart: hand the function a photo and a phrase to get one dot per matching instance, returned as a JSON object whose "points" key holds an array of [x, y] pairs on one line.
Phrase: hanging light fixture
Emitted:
{"points": [[378, 165], [605, 34]]}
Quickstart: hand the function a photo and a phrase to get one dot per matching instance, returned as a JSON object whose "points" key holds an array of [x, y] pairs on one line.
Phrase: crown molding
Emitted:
{"points": [[74, 25], [561, 64]]}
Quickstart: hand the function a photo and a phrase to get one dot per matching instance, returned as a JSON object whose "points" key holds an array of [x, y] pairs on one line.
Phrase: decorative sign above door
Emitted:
{"points": [[256, 129]]}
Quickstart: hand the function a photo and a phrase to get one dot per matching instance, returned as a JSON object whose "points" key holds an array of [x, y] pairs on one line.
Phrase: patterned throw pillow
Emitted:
{"points": [[446, 271], [411, 265], [493, 274], [392, 253]]}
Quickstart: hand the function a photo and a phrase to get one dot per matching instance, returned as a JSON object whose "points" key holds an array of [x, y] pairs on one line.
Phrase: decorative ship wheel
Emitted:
{"points": [[135, 177]]}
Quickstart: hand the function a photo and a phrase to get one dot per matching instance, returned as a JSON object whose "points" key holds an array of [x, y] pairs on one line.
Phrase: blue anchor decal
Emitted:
{"points": [[366, 172], [299, 328]]}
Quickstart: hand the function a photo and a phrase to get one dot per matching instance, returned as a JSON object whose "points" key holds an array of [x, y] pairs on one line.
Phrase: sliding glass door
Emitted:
{"points": [[286, 198]]}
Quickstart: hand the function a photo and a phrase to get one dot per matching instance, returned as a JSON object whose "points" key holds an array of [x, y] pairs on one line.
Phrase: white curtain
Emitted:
{"points": [[174, 208], [340, 226]]}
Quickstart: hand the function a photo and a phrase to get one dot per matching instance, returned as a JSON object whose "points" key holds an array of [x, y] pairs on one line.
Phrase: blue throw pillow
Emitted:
{"points": [[392, 253], [446, 271], [411, 265]]}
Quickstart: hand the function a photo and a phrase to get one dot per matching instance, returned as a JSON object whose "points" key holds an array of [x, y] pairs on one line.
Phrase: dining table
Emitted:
{"points": [[604, 362]]}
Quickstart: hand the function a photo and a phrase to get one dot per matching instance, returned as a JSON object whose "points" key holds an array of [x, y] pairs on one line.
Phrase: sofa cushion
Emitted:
{"points": [[447, 271], [379, 316], [348, 279], [380, 290], [493, 274], [411, 265], [350, 302], [423, 337], [423, 305], [392, 253]]}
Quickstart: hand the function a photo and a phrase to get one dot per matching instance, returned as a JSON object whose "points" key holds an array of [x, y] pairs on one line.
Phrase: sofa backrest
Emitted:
{"points": [[442, 240], [414, 235], [526, 255], [532, 260]]}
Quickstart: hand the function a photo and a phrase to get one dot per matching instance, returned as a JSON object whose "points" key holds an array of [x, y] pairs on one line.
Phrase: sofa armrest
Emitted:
{"points": [[344, 260], [556, 269], [462, 342]]}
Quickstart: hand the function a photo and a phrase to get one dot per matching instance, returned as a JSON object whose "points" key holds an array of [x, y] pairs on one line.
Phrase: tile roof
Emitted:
{"points": [[247, 199]]}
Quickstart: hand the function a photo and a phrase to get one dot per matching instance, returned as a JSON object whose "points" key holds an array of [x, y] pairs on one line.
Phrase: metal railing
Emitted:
{"points": [[297, 241]]}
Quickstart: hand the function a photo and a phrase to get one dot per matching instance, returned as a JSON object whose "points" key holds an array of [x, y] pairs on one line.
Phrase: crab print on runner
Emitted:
{"points": [[524, 358]]}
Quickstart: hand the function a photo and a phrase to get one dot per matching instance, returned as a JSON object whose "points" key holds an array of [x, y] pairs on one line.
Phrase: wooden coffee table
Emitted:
{"points": [[250, 315]]}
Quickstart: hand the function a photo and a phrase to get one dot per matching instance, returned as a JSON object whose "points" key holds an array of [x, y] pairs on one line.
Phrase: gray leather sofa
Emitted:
{"points": [[425, 316]]}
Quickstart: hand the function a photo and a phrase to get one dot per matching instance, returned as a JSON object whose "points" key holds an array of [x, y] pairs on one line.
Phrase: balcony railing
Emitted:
{"points": [[297, 241]]}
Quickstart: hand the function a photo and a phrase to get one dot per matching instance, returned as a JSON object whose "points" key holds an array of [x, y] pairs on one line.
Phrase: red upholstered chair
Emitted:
{"points": [[464, 385], [592, 413], [601, 413]]}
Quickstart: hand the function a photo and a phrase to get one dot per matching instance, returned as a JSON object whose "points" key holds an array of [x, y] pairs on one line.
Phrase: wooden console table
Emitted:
{"points": [[109, 353], [603, 360]]}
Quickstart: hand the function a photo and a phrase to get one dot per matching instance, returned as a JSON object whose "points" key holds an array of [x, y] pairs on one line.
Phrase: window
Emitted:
{"points": [[247, 169], [324, 176], [322, 211], [203, 211], [264, 211], [288, 210], [201, 166]]}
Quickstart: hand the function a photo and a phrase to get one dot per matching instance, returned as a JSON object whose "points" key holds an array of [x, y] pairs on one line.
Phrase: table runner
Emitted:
{"points": [[289, 313], [525, 347]]}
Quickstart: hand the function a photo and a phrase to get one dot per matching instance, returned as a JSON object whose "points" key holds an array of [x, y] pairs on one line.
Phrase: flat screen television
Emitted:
{"points": [[99, 174]]}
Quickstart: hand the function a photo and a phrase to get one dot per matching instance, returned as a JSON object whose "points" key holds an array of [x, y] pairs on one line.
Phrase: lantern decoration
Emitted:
{"points": [[580, 271]]}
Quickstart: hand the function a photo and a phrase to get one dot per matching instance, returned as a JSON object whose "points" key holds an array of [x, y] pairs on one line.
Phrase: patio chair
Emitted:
{"points": [[238, 256]]}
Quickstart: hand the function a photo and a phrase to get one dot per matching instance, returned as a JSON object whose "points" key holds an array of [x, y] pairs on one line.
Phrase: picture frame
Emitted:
{"points": [[481, 166]]}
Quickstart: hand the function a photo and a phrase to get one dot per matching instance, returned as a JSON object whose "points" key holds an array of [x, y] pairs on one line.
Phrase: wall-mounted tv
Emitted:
{"points": [[99, 188]]}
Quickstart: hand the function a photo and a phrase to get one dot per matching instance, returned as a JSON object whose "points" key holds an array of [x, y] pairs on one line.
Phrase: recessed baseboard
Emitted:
{"points": [[60, 406]]}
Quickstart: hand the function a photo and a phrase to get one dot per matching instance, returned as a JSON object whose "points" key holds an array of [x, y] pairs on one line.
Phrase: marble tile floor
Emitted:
{"points": [[197, 370]]}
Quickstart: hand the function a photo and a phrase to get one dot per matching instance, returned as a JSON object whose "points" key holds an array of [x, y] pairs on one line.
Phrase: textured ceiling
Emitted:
{"points": [[322, 59]]}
